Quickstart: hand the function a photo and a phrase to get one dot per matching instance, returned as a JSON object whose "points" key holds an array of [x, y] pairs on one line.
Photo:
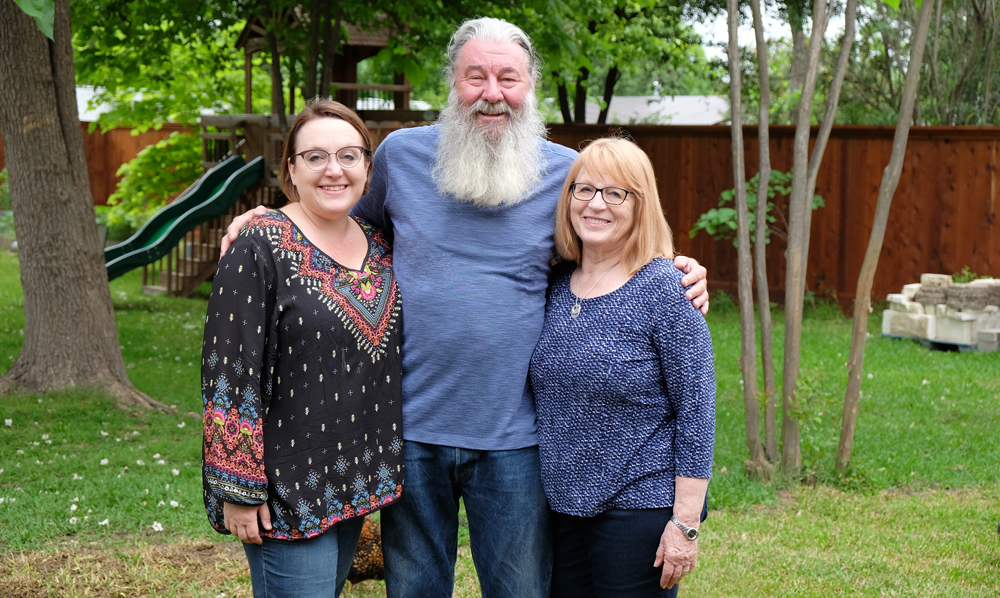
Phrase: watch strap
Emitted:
{"points": [[691, 533]]}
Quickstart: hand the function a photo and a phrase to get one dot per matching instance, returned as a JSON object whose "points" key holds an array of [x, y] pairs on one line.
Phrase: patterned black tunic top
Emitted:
{"points": [[301, 381]]}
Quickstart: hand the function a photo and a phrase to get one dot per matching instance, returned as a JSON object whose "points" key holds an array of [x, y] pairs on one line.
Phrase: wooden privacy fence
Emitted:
{"points": [[106, 152], [943, 217]]}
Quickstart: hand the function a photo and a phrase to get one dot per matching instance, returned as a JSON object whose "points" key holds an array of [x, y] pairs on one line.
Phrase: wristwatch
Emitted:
{"points": [[691, 533]]}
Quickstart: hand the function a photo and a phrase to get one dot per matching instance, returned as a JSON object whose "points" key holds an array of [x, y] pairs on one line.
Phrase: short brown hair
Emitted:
{"points": [[630, 167], [321, 109]]}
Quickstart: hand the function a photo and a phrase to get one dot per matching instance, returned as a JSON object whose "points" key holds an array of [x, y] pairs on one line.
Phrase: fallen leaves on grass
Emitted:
{"points": [[127, 571]]}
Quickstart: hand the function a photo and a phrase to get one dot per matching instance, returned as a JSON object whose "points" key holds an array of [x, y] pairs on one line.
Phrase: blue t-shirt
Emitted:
{"points": [[625, 394], [473, 284]]}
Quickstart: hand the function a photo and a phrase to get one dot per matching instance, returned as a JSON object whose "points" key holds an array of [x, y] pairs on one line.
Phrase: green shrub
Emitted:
{"points": [[157, 174], [720, 223], [967, 275], [4, 191]]}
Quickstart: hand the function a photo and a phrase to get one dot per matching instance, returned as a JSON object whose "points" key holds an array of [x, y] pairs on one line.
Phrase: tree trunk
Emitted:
{"points": [[800, 52], [563, 95], [312, 58], [277, 86], [70, 337], [832, 97], [609, 92], [862, 298], [757, 465], [580, 102], [763, 295], [331, 43], [800, 217]]}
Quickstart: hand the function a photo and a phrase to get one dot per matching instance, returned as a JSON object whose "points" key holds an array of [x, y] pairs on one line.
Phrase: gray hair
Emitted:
{"points": [[494, 30]]}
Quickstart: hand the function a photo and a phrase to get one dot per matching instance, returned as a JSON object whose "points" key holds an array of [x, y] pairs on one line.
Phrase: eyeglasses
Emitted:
{"points": [[611, 195], [348, 157]]}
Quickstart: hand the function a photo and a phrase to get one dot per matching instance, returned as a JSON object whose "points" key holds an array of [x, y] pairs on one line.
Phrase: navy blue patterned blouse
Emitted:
{"points": [[625, 394]]}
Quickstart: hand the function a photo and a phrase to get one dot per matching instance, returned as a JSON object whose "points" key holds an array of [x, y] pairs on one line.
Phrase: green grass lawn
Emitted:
{"points": [[100, 501]]}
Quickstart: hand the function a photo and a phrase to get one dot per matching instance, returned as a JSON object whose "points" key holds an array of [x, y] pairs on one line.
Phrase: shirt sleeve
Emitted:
{"points": [[688, 365], [236, 327], [371, 206]]}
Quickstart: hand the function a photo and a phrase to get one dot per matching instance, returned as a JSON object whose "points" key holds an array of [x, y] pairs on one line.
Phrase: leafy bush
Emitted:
{"points": [[4, 191], [720, 223], [967, 275], [155, 176]]}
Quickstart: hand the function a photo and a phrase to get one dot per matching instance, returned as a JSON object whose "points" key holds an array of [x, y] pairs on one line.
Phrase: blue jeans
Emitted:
{"points": [[508, 523], [311, 568]]}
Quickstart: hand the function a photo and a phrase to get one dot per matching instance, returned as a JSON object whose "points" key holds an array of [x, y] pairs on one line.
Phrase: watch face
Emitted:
{"points": [[692, 534]]}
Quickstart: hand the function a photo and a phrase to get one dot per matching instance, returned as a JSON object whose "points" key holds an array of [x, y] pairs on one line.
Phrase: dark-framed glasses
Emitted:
{"points": [[348, 157], [611, 195]]}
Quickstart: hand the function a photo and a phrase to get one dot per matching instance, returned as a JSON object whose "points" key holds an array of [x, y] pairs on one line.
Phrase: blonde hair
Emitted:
{"points": [[630, 167]]}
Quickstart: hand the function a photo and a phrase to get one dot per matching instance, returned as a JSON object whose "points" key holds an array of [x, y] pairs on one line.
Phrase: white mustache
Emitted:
{"points": [[492, 108]]}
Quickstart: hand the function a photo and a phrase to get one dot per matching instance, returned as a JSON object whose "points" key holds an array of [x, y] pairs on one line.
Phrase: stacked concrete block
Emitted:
{"points": [[941, 310], [989, 340]]}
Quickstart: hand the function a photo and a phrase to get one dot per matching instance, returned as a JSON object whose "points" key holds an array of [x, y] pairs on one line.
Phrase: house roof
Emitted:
{"points": [[666, 110], [252, 36]]}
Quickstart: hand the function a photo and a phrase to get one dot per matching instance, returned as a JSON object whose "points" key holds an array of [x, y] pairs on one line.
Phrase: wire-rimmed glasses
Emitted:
{"points": [[611, 195], [348, 157]]}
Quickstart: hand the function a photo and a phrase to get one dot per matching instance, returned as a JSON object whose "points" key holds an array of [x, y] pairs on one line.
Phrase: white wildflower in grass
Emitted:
{"points": [[105, 522], [924, 383], [73, 520], [181, 425], [118, 439], [72, 507], [161, 462], [139, 462], [45, 436], [156, 456], [135, 433], [8, 422], [147, 490], [103, 433], [870, 376], [160, 504], [2, 499], [104, 461], [173, 471], [20, 452], [76, 499], [174, 504], [77, 476], [168, 486], [157, 527]]}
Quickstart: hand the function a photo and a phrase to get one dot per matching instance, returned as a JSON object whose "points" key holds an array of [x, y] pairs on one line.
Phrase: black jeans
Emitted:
{"points": [[610, 555]]}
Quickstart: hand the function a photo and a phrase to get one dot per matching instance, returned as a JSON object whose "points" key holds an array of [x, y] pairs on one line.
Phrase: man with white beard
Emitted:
{"points": [[470, 204]]}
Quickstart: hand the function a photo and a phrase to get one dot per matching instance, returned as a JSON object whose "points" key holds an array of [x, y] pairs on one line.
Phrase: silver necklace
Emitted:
{"points": [[577, 306]]}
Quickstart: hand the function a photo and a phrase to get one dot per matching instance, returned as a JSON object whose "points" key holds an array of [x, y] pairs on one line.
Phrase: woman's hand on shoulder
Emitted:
{"points": [[242, 521], [234, 228], [694, 276], [677, 554]]}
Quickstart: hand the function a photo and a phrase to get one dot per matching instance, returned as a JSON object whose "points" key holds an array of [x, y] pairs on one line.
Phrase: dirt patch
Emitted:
{"points": [[126, 571]]}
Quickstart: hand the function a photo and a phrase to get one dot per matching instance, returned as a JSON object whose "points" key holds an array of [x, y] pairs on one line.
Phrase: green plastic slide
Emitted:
{"points": [[211, 196]]}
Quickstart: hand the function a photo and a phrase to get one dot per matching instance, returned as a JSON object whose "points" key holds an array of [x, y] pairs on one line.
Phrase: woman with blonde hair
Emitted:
{"points": [[624, 384]]}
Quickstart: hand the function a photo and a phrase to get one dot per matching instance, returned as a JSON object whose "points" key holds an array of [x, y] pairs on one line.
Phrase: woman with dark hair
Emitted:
{"points": [[624, 384], [301, 369]]}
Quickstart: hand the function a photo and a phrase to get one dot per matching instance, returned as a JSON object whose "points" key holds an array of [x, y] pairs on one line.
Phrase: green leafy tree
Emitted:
{"points": [[154, 177]]}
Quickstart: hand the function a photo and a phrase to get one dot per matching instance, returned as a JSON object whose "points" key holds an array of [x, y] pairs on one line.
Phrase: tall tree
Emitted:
{"points": [[800, 220], [862, 298], [757, 465], [763, 294], [70, 337]]}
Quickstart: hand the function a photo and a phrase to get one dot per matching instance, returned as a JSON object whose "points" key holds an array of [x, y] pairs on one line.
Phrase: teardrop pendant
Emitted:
{"points": [[576, 310]]}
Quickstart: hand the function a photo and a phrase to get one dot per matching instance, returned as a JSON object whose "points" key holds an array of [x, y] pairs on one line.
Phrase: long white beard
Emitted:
{"points": [[493, 165]]}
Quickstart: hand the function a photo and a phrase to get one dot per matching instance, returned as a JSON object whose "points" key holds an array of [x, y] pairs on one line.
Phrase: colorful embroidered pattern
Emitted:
{"points": [[360, 298]]}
